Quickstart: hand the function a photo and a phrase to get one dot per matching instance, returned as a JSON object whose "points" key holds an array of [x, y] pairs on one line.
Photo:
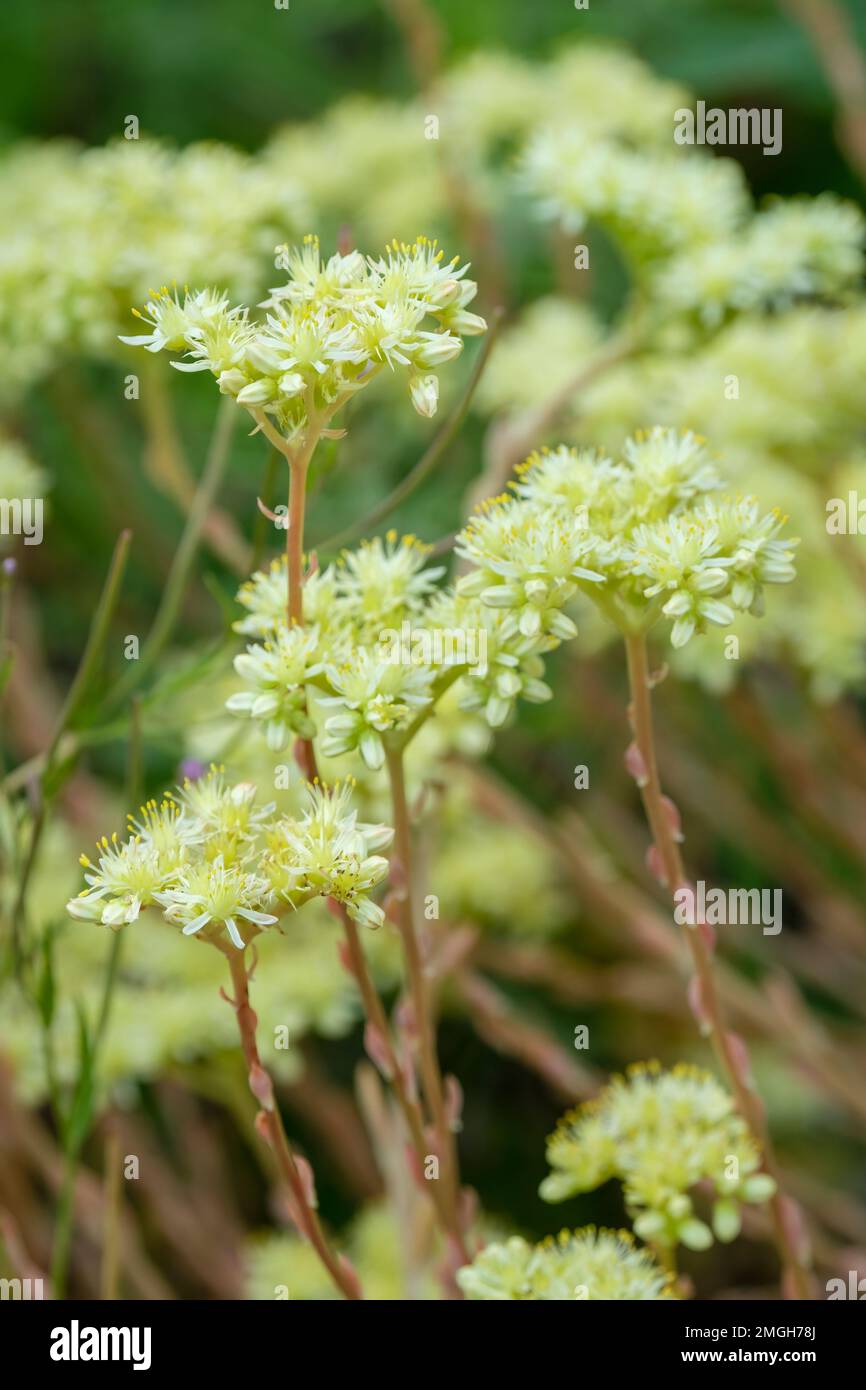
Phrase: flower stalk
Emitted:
{"points": [[270, 1126], [381, 1041], [419, 993], [728, 1047], [298, 460], [445, 1190]]}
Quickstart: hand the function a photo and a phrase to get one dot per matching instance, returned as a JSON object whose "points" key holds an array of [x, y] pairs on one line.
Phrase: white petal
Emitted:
{"points": [[196, 924]]}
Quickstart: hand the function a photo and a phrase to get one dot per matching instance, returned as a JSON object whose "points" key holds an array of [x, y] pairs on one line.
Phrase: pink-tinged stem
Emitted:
{"points": [[270, 1125], [728, 1048]]}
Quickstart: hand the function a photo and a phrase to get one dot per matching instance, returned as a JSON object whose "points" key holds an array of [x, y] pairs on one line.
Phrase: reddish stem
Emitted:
{"points": [[270, 1125], [661, 817]]}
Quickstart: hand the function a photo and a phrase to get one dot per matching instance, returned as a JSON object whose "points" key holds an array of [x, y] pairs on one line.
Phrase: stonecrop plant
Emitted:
{"points": [[214, 865], [382, 893], [648, 537]]}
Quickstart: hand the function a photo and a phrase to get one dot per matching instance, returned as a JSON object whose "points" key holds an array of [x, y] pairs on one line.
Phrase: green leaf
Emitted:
{"points": [[45, 991], [81, 1109]]}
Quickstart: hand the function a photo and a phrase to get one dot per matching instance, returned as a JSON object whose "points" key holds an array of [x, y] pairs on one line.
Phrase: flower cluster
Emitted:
{"points": [[128, 215], [688, 228], [219, 866], [797, 250], [284, 1266], [643, 537], [657, 204], [368, 160], [789, 429], [327, 332], [383, 642], [166, 1007], [661, 1133], [585, 1265], [276, 673]]}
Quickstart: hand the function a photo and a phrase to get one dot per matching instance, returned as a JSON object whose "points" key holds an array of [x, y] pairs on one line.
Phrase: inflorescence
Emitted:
{"points": [[661, 1133], [327, 331], [222, 868]]}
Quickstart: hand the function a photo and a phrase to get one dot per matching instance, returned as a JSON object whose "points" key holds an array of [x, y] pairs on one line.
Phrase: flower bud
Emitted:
{"points": [[424, 391]]}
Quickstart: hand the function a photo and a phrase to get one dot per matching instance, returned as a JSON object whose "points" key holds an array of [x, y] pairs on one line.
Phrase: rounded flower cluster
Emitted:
{"points": [[657, 204], [327, 331], [585, 1265], [383, 642], [790, 436], [806, 249], [688, 228], [661, 1133], [642, 537], [127, 215], [167, 1011], [222, 868]]}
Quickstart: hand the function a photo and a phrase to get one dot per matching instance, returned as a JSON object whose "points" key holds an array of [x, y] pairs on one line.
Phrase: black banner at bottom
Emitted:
{"points": [[85, 1339]]}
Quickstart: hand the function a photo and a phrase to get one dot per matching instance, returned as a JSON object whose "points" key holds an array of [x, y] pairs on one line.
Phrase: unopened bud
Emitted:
{"points": [[673, 818], [261, 1086], [697, 1005], [635, 765], [738, 1054], [453, 1104], [656, 864], [377, 1050], [308, 1182]]}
